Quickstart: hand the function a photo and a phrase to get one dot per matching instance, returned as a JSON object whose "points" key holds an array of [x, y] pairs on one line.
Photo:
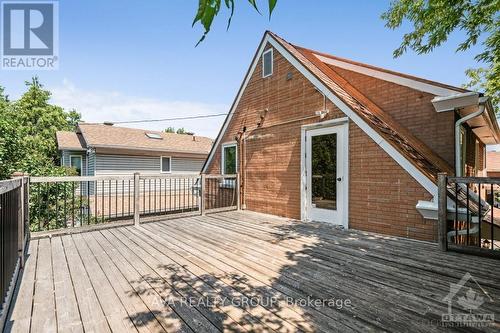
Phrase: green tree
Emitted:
{"points": [[434, 20], [181, 130], [28, 132], [170, 130], [209, 9]]}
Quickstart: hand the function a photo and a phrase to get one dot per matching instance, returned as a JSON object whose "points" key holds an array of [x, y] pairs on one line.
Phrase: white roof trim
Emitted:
{"points": [[401, 80], [387, 147]]}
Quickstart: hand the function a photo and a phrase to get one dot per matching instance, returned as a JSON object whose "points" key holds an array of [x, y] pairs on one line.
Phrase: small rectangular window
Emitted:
{"points": [[229, 159], [75, 161], [267, 63], [165, 164]]}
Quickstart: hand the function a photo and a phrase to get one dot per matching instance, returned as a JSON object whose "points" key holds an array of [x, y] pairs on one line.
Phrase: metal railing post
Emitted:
{"points": [[442, 211], [202, 201], [136, 200], [238, 189], [20, 238]]}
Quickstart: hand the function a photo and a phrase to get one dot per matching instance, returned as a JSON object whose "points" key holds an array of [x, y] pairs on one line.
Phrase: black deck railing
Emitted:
{"points": [[469, 214], [13, 237]]}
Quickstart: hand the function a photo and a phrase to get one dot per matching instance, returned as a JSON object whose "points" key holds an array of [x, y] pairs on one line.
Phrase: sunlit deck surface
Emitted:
{"points": [[128, 279]]}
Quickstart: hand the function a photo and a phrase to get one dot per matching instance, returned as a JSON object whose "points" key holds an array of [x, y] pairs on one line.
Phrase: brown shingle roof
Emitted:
{"points": [[69, 141], [399, 137], [98, 135]]}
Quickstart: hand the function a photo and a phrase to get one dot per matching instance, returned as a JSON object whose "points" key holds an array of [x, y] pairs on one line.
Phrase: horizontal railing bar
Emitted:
{"points": [[77, 179], [170, 175], [9, 185], [474, 180], [220, 176]]}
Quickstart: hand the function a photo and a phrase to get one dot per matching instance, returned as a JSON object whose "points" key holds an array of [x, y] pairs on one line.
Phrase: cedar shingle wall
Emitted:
{"points": [[410, 108], [382, 195]]}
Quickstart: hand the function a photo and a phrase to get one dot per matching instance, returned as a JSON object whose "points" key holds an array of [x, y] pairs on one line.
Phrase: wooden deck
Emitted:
{"points": [[241, 271]]}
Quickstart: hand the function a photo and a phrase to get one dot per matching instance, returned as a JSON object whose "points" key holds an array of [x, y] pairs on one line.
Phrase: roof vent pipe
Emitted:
{"points": [[458, 150]]}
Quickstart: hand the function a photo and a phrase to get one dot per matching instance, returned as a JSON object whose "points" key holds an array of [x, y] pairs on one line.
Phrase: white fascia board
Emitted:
{"points": [[401, 80], [452, 102], [422, 179]]}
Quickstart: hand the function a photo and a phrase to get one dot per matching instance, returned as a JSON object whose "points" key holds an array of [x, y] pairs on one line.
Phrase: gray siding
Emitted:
{"points": [[91, 163], [65, 155], [186, 164], [123, 164]]}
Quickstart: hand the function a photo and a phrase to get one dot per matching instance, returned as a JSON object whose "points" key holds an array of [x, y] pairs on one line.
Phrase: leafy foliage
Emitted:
{"points": [[434, 20], [209, 9], [485, 80], [28, 133], [181, 130]]}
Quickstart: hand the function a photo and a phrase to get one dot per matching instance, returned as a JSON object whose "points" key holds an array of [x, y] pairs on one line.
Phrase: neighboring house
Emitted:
{"points": [[96, 149], [317, 137], [493, 163]]}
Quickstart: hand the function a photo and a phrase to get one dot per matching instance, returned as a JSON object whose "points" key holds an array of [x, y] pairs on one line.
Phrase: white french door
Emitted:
{"points": [[326, 174]]}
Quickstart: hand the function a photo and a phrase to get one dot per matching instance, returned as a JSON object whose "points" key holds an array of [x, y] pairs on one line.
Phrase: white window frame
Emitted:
{"points": [[225, 145], [272, 63], [81, 162], [169, 164]]}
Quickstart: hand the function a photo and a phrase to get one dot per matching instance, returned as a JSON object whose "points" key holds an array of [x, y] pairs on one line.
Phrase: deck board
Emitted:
{"points": [[191, 275]]}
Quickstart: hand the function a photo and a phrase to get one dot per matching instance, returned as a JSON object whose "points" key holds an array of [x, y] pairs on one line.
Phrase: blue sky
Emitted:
{"points": [[124, 60]]}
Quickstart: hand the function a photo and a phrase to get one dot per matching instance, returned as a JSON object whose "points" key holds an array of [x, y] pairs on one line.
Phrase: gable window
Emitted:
{"points": [[166, 164], [229, 159], [75, 161], [267, 63]]}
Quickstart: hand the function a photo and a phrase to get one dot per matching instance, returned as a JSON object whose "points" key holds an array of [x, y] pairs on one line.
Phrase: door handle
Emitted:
{"points": [[339, 179]]}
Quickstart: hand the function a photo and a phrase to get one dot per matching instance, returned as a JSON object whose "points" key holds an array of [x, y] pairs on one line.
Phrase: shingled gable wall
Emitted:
{"points": [[382, 195]]}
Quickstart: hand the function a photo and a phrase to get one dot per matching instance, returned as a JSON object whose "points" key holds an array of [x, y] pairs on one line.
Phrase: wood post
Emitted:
{"points": [[442, 210], [238, 189], [202, 194], [136, 199]]}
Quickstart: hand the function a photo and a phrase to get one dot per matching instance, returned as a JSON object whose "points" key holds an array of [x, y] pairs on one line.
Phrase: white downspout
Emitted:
{"points": [[458, 150]]}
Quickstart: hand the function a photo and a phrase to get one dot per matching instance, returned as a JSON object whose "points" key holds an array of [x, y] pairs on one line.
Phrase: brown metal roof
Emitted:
{"points": [[380, 69], [69, 141], [398, 136]]}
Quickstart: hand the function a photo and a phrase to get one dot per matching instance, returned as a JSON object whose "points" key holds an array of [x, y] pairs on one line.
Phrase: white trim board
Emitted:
{"points": [[223, 155], [421, 178], [343, 123], [401, 80]]}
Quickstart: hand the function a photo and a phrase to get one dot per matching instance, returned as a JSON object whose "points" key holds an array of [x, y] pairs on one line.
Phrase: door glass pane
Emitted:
{"points": [[324, 171]]}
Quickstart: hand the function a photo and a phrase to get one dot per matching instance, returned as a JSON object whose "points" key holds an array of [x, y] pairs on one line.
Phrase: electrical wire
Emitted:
{"points": [[170, 119]]}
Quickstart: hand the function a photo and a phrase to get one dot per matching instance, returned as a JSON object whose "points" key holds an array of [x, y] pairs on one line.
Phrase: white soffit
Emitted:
{"points": [[401, 80]]}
